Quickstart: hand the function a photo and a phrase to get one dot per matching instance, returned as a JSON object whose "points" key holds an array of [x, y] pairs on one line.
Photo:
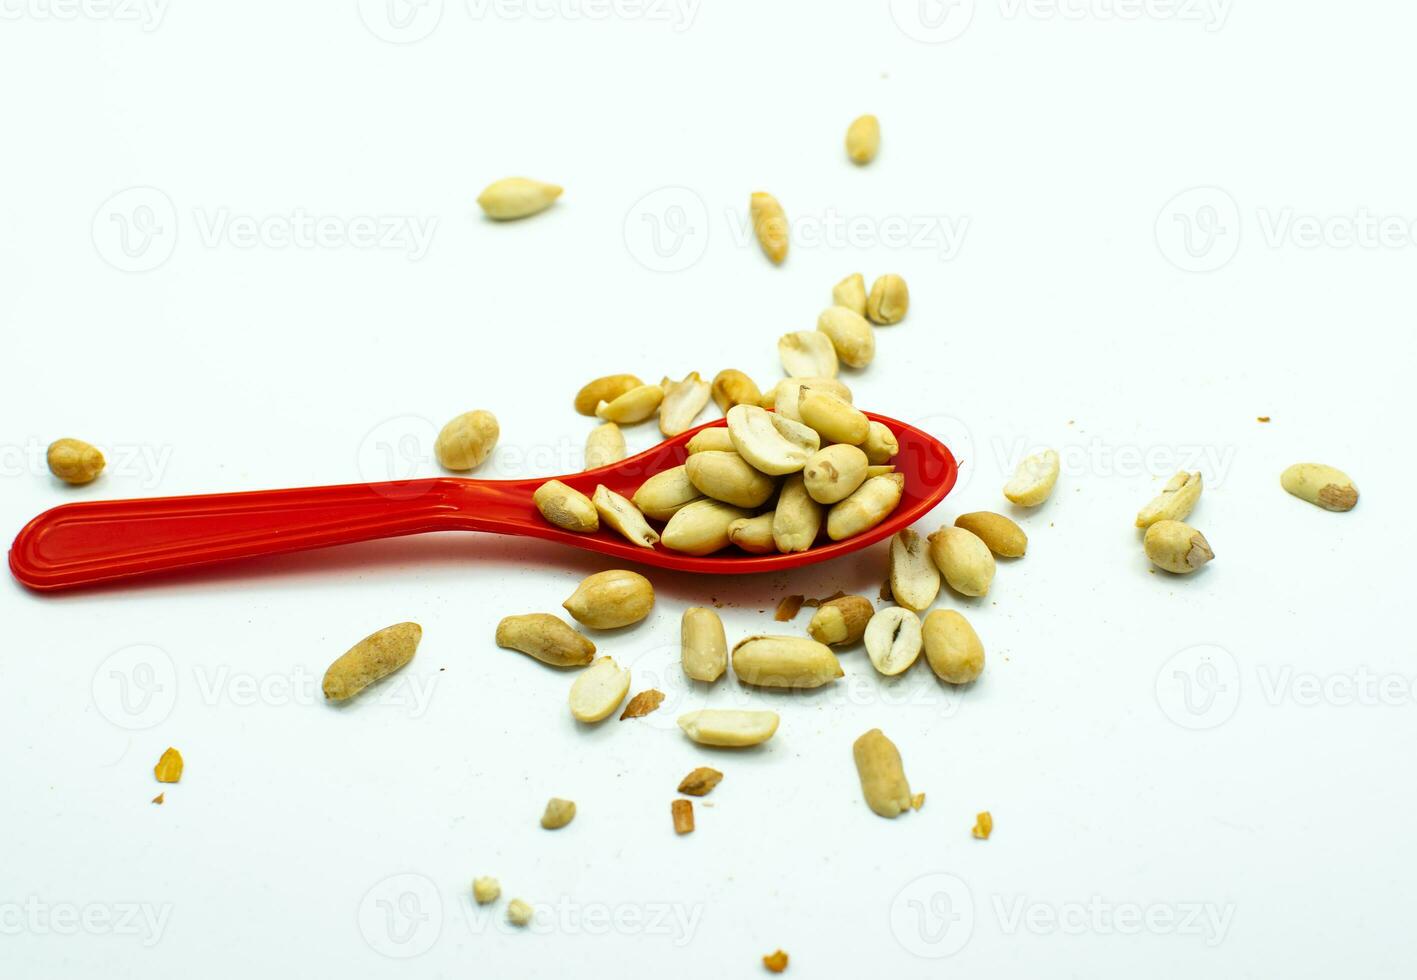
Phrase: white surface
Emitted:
{"points": [[1059, 320]]}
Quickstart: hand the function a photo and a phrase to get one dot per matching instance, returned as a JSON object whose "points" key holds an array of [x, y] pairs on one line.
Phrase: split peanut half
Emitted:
{"points": [[736, 729], [704, 650], [807, 354], [1321, 485], [598, 691], [770, 443], [1178, 498], [769, 224], [683, 401], [784, 661], [605, 444], [915, 579], [701, 528], [566, 507], [797, 519], [1033, 481], [633, 406], [872, 503], [624, 517], [893, 640], [853, 338], [516, 197]]}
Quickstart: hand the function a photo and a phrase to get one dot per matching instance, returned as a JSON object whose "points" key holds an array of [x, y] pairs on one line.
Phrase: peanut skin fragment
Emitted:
{"points": [[700, 782], [642, 704]]}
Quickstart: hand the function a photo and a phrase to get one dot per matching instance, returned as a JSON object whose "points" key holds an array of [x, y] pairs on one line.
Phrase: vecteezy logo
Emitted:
{"points": [[402, 916], [957, 439], [1199, 687], [400, 21], [1199, 229], [932, 21], [667, 230], [397, 449], [135, 687], [933, 916], [135, 230]]}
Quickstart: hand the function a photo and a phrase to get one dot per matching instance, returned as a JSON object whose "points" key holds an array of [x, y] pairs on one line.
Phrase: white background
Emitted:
{"points": [[1203, 776]]}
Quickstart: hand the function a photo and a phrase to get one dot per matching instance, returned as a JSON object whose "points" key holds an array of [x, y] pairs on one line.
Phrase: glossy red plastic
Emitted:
{"points": [[99, 541]]}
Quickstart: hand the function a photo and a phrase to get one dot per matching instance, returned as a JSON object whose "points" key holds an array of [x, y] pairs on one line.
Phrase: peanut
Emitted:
{"points": [[963, 559], [851, 293], [952, 648], [880, 445], [889, 300], [566, 507], [633, 406], [598, 690], [832, 418], [883, 781], [701, 528], [710, 440], [833, 474], [728, 477], [558, 813], [546, 638], [1176, 501], [736, 729], [1176, 547], [624, 517], [784, 661], [770, 443], [754, 534], [868, 506], [466, 441], [516, 197], [1321, 485], [1033, 481], [519, 912], [609, 600], [852, 337], [797, 520], [770, 225], [807, 354], [863, 139], [893, 640], [841, 622], [704, 653], [373, 658], [783, 396], [732, 387], [486, 890], [605, 389], [1002, 536], [683, 401], [664, 494], [605, 444], [74, 461], [915, 581]]}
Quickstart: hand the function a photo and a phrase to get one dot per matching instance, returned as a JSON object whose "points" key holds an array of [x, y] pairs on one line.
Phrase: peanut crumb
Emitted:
{"points": [[1262, 418], [158, 798], [700, 781], [683, 812], [983, 825], [788, 608], [558, 813], [642, 704], [169, 767], [917, 801], [776, 962]]}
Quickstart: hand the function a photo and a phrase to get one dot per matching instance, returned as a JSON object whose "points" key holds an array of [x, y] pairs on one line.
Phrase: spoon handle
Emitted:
{"points": [[95, 541]]}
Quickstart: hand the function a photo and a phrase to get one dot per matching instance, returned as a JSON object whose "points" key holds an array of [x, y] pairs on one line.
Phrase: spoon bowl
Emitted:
{"points": [[99, 541]]}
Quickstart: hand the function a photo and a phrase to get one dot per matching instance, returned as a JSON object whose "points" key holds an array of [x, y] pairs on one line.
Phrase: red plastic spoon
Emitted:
{"points": [[98, 541]]}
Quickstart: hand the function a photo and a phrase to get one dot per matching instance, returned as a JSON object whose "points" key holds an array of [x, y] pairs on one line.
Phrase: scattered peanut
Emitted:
{"points": [[841, 622], [558, 813], [683, 814], [851, 335], [611, 599], [565, 507], [889, 300], [683, 401], [952, 648], [851, 293], [373, 658], [863, 139], [546, 638], [797, 520], [770, 225], [1002, 536], [1176, 547], [893, 640], [784, 661], [883, 781], [633, 406], [624, 517], [833, 474], [516, 197], [486, 890], [729, 477], [605, 444], [965, 561], [832, 418], [1176, 501], [169, 767], [915, 580], [732, 387], [466, 441], [1321, 485], [770, 443], [701, 528], [734, 729], [704, 651], [807, 354], [605, 389], [868, 506], [598, 690], [700, 782], [74, 461], [1033, 481]]}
